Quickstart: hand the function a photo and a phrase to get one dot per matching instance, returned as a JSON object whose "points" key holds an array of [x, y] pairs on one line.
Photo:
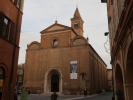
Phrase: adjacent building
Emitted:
{"points": [[120, 20], [10, 25], [109, 78], [20, 76], [64, 61]]}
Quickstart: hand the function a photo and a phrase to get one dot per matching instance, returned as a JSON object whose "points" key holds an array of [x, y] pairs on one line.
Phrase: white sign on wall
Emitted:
{"points": [[73, 70], [73, 76]]}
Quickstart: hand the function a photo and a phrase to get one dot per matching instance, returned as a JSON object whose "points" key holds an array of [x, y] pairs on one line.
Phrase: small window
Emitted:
{"points": [[6, 27], [76, 25], [13, 1], [55, 43], [111, 2], [1, 73], [2, 77], [18, 3]]}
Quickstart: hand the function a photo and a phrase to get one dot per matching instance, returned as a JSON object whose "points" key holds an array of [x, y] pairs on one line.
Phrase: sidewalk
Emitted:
{"points": [[65, 97], [101, 96], [81, 97]]}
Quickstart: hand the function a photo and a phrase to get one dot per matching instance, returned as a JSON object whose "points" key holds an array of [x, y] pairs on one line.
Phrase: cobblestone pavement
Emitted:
{"points": [[102, 96]]}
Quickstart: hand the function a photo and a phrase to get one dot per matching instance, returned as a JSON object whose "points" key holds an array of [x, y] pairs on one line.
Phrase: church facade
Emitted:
{"points": [[64, 62]]}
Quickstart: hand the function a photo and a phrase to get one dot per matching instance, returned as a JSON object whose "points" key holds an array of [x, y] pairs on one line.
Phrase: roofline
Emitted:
{"points": [[97, 55], [68, 28], [53, 25]]}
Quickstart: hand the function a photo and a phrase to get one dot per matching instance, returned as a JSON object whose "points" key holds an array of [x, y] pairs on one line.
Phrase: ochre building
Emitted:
{"points": [[10, 25], [120, 19], [64, 62], [20, 76], [109, 78]]}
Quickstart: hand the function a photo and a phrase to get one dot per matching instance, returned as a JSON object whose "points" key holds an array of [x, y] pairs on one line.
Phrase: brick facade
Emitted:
{"points": [[60, 49], [10, 24], [120, 14]]}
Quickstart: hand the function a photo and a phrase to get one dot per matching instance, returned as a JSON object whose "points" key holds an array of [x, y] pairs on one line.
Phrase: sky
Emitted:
{"points": [[39, 14]]}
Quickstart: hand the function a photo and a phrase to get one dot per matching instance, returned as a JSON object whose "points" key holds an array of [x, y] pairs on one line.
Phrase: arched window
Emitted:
{"points": [[55, 43], [2, 77], [76, 25]]}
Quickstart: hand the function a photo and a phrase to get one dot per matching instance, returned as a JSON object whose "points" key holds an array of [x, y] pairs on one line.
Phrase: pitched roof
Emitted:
{"points": [[55, 27], [77, 14]]}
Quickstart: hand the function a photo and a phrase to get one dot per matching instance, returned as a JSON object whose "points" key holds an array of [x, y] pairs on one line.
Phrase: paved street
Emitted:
{"points": [[102, 96]]}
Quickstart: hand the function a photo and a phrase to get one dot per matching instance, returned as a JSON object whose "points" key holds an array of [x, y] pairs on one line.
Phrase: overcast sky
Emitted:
{"points": [[39, 14]]}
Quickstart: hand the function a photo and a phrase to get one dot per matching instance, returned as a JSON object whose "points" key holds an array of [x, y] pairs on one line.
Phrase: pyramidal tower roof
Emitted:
{"points": [[77, 22], [77, 14]]}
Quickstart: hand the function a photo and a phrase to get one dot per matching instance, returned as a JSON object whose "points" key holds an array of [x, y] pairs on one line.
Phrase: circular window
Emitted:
{"points": [[55, 43]]}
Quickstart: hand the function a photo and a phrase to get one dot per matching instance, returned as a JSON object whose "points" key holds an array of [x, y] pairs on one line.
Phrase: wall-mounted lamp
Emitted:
{"points": [[106, 33], [107, 49]]}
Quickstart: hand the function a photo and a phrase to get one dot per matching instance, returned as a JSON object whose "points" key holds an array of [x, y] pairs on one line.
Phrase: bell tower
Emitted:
{"points": [[77, 23]]}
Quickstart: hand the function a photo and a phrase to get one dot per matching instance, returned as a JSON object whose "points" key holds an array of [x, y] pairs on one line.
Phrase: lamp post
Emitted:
{"points": [[106, 42]]}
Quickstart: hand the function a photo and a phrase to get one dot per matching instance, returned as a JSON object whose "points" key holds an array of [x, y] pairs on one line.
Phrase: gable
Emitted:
{"points": [[34, 45], [79, 41], [55, 27]]}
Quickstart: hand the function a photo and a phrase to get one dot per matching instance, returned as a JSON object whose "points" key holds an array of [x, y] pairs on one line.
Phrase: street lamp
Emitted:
{"points": [[107, 42], [106, 33]]}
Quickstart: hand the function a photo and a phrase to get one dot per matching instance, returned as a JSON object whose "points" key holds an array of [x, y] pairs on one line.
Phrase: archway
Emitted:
{"points": [[119, 83], [129, 73], [53, 83], [2, 79]]}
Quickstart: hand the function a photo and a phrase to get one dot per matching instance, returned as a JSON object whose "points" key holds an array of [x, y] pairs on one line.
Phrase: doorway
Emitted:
{"points": [[119, 83], [129, 73], [55, 82]]}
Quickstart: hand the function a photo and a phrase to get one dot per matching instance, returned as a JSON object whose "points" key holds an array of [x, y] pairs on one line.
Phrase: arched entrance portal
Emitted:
{"points": [[2, 78], [53, 81], [129, 73], [119, 83]]}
